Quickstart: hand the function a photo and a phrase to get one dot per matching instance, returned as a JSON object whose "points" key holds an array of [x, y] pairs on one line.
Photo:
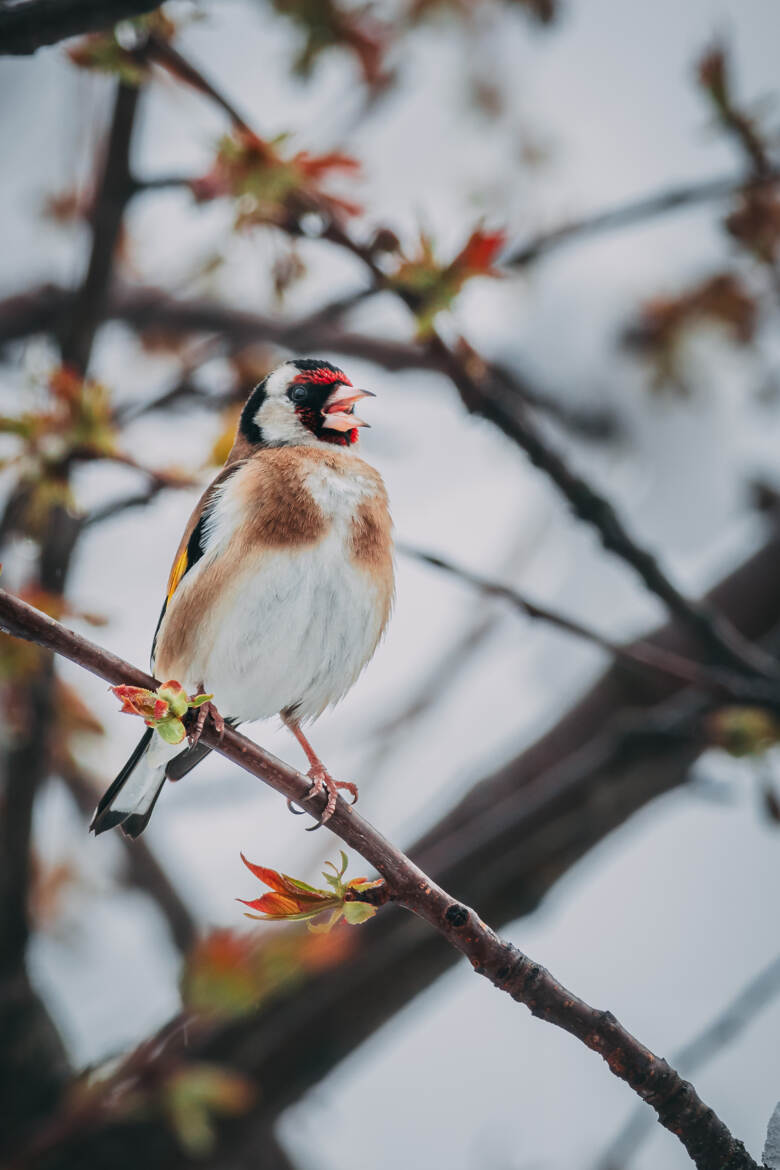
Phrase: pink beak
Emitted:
{"points": [[338, 407]]}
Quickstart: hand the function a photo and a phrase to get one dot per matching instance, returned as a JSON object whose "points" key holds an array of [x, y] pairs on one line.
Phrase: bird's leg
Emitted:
{"points": [[205, 711], [321, 779]]}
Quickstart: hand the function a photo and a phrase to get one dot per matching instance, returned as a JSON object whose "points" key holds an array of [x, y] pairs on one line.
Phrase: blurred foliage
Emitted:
{"points": [[196, 1095], [118, 51], [430, 287], [325, 25], [75, 423], [715, 79], [371, 35], [271, 188], [755, 222], [229, 974], [664, 323], [743, 731]]}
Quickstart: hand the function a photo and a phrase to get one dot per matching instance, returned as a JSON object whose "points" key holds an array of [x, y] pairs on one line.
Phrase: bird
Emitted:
{"points": [[281, 587]]}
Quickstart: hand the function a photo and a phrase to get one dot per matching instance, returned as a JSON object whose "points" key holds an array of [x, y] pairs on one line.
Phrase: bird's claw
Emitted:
{"points": [[322, 781], [205, 711]]}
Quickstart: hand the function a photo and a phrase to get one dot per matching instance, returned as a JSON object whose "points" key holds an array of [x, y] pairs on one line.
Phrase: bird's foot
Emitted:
{"points": [[322, 781], [206, 711]]}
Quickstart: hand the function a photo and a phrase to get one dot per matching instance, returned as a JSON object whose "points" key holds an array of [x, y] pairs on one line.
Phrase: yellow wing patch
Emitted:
{"points": [[177, 572]]}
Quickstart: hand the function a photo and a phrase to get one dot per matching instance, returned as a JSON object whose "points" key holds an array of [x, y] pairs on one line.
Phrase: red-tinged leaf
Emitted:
{"points": [[269, 877], [479, 252], [292, 899], [270, 185], [137, 700], [273, 904], [364, 884], [318, 166]]}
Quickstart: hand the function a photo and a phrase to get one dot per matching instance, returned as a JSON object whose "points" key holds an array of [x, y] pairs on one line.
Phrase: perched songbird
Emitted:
{"points": [[282, 584]]}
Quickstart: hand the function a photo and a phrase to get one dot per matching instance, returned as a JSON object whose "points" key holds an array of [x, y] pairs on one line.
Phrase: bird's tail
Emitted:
{"points": [[130, 800]]}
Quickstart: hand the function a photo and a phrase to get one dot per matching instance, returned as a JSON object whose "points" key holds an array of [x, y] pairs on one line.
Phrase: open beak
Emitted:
{"points": [[337, 410]]}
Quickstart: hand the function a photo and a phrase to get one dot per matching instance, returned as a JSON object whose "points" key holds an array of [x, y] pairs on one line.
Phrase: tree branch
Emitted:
{"points": [[42, 309], [645, 655], [751, 999], [649, 207], [115, 190], [24, 763], [710, 628], [30, 24], [679, 1109]]}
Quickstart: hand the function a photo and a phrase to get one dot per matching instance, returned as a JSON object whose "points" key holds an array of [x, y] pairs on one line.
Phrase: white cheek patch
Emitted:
{"points": [[280, 424]]}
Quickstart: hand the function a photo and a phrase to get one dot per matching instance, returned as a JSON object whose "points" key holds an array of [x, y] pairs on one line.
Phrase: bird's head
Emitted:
{"points": [[306, 401]]}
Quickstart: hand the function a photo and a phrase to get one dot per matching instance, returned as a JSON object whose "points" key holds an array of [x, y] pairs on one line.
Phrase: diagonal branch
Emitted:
{"points": [[751, 999], [624, 215], [30, 24], [646, 655], [707, 1140], [710, 628]]}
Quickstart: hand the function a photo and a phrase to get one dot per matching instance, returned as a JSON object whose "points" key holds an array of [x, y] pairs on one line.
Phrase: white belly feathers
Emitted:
{"points": [[289, 626]]}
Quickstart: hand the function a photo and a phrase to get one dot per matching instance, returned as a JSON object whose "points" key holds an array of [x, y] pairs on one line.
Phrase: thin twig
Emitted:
{"points": [[164, 54], [643, 654], [624, 215], [705, 1137]]}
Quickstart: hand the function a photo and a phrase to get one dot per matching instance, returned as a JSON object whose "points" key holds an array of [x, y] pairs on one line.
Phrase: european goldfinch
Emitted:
{"points": [[282, 584]]}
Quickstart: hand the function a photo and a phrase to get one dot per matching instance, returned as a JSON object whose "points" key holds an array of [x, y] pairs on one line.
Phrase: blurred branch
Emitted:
{"points": [[163, 53], [86, 312], [25, 760], [27, 25], [143, 869], [639, 654], [711, 630], [42, 309], [124, 504], [648, 207], [679, 1109], [751, 999], [442, 674]]}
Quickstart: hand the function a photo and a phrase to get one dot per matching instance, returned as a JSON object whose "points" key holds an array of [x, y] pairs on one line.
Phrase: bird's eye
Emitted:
{"points": [[299, 393]]}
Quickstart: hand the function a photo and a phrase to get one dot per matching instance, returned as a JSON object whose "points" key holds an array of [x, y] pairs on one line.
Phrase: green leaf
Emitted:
{"points": [[357, 912], [199, 700], [171, 730]]}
